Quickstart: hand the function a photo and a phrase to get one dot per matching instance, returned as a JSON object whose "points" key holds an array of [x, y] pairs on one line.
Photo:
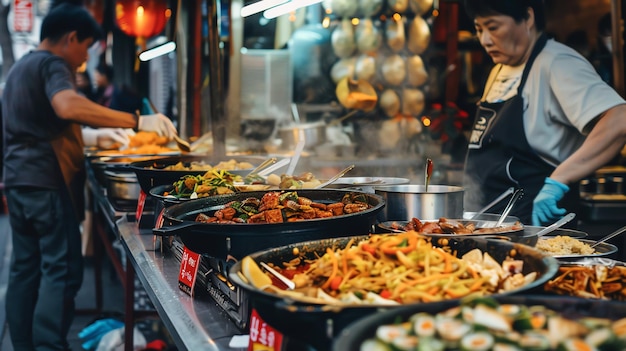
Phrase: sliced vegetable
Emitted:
{"points": [[423, 325], [533, 341], [479, 341], [387, 333], [575, 345], [405, 343], [490, 318], [374, 345]]}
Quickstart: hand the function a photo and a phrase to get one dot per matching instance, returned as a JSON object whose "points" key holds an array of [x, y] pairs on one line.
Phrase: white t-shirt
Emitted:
{"points": [[505, 83], [562, 94]]}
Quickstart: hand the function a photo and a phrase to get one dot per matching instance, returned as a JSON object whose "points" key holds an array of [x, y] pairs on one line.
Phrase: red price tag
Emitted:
{"points": [[188, 271], [159, 220], [141, 202], [262, 336]]}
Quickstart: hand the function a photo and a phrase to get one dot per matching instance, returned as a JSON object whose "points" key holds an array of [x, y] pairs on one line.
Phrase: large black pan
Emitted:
{"points": [[317, 324], [355, 334], [237, 240], [151, 173]]}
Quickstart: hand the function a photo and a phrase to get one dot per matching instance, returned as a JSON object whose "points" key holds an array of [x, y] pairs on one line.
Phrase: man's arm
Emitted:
{"points": [[70, 105]]}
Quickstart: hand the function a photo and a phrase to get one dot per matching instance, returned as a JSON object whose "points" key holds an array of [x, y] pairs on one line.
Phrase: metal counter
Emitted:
{"points": [[195, 323]]}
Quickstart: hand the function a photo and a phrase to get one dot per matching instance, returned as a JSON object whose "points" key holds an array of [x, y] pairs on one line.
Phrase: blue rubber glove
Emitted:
{"points": [[544, 205]]}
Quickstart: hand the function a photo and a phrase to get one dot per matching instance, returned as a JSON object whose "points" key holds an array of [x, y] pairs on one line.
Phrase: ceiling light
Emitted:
{"points": [[157, 51], [259, 6], [288, 7]]}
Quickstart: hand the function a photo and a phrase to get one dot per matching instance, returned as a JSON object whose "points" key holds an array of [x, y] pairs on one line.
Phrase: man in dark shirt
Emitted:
{"points": [[43, 152]]}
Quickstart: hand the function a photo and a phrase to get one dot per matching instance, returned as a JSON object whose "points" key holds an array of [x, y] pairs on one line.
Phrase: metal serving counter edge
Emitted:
{"points": [[196, 323]]}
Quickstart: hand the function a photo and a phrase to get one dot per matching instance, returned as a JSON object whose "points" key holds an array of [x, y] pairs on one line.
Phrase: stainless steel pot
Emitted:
{"points": [[122, 190], [404, 202], [314, 134]]}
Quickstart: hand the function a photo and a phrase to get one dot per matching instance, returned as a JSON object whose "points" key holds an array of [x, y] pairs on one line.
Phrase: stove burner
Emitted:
{"points": [[212, 279]]}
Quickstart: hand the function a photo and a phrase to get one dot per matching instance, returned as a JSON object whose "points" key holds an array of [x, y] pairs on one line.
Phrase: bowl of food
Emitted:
{"points": [[342, 279], [235, 225], [590, 278], [167, 170], [500, 323], [566, 247]]}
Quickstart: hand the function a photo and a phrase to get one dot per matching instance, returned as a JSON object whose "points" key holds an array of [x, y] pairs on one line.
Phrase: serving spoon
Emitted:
{"points": [[182, 144], [556, 225]]}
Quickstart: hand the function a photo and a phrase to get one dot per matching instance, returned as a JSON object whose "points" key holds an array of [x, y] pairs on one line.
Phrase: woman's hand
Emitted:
{"points": [[545, 207]]}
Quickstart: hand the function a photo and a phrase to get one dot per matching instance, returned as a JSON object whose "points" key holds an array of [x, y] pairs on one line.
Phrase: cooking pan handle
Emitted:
{"points": [[173, 229]]}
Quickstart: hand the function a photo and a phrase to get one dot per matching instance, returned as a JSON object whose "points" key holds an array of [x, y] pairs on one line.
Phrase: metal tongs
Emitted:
{"points": [[516, 195], [267, 162], [506, 193], [335, 177]]}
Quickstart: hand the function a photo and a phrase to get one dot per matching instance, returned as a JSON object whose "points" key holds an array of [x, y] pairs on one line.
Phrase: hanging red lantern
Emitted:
{"points": [[142, 18]]}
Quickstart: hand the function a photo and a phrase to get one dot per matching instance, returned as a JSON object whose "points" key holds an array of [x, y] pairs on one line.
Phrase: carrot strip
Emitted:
{"points": [[434, 290], [333, 273], [477, 285]]}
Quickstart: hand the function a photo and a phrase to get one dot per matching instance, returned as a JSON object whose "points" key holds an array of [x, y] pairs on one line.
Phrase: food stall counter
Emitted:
{"points": [[195, 323]]}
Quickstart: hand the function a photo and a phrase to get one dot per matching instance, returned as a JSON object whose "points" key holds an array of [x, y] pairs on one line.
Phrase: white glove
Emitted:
{"points": [[105, 138], [159, 123]]}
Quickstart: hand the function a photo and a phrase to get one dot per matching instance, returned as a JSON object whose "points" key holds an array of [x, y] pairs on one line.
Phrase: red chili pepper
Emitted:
{"points": [[368, 248], [385, 294], [335, 283]]}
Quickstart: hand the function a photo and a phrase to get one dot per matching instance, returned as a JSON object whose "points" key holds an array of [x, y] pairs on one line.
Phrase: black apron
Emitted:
{"points": [[499, 155]]}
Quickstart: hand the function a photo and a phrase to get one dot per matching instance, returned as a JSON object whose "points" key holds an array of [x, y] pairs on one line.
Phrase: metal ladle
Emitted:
{"points": [[610, 236]]}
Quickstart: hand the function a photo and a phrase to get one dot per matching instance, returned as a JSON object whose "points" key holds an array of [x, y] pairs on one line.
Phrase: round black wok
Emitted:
{"points": [[158, 191], [237, 240], [151, 173], [317, 324], [355, 334]]}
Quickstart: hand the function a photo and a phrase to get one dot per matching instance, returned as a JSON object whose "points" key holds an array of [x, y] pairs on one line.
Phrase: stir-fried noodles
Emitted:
{"points": [[401, 268]]}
